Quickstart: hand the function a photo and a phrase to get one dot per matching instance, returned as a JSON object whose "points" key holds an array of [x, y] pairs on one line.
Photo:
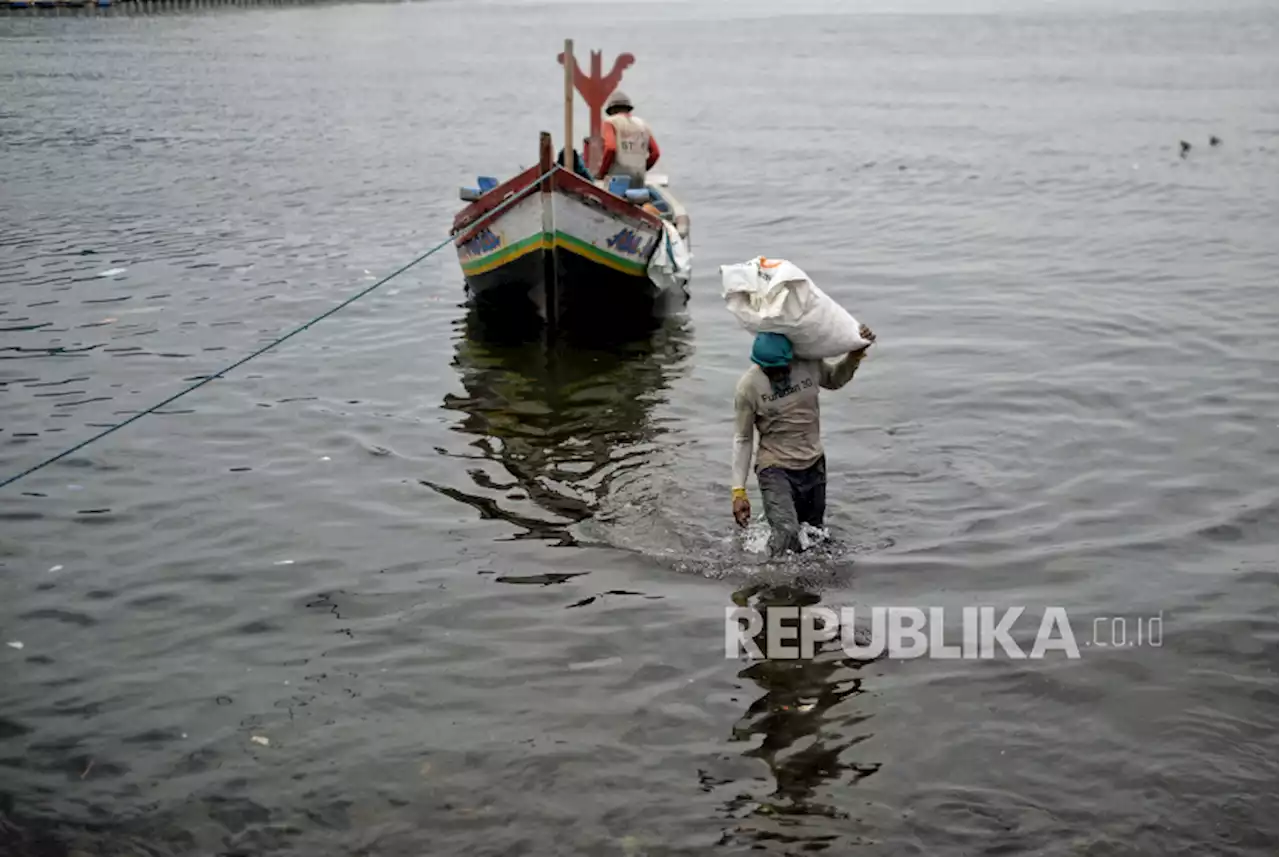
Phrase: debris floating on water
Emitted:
{"points": [[258, 739], [284, 562], [55, 568], [113, 272], [603, 662], [15, 645]]}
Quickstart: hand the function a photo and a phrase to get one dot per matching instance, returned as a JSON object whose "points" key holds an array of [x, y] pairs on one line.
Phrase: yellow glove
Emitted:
{"points": [[741, 507]]}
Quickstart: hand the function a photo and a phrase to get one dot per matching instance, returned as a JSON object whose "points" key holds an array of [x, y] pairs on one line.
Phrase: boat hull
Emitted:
{"points": [[584, 297], [564, 253]]}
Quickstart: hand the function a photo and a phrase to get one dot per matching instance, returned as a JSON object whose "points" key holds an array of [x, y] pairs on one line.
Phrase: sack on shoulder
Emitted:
{"points": [[775, 296]]}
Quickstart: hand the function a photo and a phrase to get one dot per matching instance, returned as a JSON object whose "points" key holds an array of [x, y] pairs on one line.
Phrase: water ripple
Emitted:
{"points": [[403, 586]]}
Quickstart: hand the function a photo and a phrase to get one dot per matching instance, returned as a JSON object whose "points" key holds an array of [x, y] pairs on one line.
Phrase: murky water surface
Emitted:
{"points": [[471, 592]]}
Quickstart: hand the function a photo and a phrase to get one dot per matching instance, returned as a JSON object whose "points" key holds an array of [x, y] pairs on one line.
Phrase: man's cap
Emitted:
{"points": [[771, 351]]}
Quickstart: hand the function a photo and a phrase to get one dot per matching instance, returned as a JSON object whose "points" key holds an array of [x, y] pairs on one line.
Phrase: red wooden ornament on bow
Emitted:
{"points": [[595, 89]]}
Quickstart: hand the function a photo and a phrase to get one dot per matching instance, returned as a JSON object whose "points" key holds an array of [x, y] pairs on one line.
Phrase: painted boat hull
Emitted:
{"points": [[584, 296], [564, 253]]}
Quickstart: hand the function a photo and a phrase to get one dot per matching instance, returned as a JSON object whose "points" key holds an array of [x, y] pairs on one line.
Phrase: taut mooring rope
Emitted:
{"points": [[264, 349]]}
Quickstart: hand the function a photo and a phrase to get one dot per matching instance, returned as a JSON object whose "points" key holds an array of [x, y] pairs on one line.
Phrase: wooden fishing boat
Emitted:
{"points": [[573, 252]]}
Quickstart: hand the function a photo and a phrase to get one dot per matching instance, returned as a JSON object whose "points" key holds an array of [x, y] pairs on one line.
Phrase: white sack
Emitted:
{"points": [[671, 264], [775, 296]]}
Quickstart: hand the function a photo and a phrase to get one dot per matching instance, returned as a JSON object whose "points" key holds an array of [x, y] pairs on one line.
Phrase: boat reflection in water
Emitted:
{"points": [[555, 427]]}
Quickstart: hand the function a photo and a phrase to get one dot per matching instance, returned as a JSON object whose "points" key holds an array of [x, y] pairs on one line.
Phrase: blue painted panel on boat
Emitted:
{"points": [[487, 183], [618, 185], [626, 241], [481, 243]]}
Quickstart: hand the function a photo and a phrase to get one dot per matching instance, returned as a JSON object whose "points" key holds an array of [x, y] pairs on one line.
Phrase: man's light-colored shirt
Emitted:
{"points": [[786, 418]]}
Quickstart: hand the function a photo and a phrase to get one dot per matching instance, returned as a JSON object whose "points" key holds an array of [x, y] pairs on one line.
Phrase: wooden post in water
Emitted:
{"points": [[569, 66]]}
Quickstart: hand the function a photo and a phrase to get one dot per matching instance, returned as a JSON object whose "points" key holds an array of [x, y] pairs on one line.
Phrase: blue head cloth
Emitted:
{"points": [[771, 351]]}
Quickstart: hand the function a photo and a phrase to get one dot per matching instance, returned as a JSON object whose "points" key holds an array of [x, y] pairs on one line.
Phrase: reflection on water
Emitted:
{"points": [[803, 727], [553, 428]]}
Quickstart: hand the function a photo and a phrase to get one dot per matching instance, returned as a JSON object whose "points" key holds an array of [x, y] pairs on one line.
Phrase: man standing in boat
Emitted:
{"points": [[630, 149], [778, 397]]}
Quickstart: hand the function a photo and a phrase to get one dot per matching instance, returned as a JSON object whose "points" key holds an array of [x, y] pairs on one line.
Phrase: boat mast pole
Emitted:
{"points": [[569, 67]]}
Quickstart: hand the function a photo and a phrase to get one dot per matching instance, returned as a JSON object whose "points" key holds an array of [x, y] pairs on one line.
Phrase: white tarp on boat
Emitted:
{"points": [[671, 264], [776, 296]]}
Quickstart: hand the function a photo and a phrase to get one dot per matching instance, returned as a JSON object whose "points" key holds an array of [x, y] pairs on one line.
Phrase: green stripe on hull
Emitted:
{"points": [[603, 257], [562, 240], [504, 255]]}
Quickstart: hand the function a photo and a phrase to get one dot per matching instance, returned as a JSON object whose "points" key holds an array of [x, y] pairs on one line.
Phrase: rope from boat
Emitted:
{"points": [[279, 340]]}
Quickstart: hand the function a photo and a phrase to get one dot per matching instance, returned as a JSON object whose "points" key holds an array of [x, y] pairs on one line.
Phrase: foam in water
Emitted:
{"points": [[756, 539]]}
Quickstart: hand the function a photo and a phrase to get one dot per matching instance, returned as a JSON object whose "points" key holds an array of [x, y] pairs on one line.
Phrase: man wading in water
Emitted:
{"points": [[778, 397]]}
